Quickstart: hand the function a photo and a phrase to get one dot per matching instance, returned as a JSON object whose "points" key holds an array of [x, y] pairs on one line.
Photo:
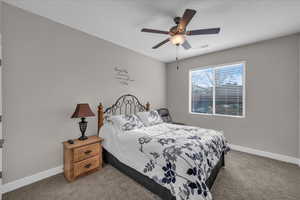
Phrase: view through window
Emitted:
{"points": [[218, 90]]}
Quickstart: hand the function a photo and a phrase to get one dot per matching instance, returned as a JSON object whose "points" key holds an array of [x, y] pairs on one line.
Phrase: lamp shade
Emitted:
{"points": [[82, 110]]}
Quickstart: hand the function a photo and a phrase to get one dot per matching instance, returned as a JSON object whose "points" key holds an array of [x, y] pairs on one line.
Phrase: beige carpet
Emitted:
{"points": [[245, 177]]}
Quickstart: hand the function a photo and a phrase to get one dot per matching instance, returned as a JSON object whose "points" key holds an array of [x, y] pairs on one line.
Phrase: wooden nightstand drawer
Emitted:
{"points": [[86, 165], [85, 152], [82, 157]]}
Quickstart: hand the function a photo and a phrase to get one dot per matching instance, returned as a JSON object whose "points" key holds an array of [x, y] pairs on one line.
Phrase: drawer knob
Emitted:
{"points": [[88, 152], [88, 165]]}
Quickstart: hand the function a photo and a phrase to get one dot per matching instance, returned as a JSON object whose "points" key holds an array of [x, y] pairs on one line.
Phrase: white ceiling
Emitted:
{"points": [[120, 21]]}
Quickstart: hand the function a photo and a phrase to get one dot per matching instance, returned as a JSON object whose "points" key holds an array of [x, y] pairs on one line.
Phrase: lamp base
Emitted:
{"points": [[83, 137], [83, 126]]}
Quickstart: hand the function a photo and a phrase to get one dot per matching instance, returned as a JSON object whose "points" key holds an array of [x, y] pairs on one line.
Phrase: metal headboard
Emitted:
{"points": [[126, 104]]}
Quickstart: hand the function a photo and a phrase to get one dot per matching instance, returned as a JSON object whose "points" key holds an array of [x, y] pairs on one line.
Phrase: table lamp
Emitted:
{"points": [[82, 111]]}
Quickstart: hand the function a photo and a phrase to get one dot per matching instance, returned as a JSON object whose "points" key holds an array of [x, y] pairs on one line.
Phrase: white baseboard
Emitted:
{"points": [[51, 172], [30, 179], [274, 156]]}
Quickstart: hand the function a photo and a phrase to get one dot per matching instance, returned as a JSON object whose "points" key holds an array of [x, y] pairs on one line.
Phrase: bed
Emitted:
{"points": [[172, 161]]}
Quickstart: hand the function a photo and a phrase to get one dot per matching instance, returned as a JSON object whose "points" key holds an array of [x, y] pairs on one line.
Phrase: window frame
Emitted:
{"points": [[214, 67]]}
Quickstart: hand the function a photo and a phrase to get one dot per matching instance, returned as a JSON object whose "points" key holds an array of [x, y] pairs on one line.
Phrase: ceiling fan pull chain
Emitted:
{"points": [[177, 61]]}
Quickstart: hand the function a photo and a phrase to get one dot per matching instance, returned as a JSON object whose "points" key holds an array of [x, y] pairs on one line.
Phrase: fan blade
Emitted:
{"points": [[160, 44], [154, 31], [186, 18], [204, 31], [186, 45]]}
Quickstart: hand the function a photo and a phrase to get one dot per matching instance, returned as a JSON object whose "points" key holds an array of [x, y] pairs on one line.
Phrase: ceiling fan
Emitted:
{"points": [[178, 32]]}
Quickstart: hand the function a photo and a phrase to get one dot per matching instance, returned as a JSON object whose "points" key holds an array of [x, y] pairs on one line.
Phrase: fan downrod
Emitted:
{"points": [[177, 20]]}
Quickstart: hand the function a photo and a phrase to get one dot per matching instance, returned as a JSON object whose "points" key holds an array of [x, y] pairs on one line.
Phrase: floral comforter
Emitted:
{"points": [[180, 158]]}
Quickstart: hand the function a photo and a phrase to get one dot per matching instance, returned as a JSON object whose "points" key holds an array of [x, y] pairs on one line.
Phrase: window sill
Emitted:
{"points": [[217, 115]]}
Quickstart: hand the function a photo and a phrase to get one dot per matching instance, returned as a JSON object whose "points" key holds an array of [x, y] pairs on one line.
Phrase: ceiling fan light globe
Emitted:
{"points": [[177, 39]]}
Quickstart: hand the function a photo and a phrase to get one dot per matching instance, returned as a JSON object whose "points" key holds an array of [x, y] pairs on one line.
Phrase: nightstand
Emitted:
{"points": [[82, 157]]}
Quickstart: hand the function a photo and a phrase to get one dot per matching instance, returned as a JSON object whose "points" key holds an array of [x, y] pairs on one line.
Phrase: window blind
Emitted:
{"points": [[202, 91], [229, 90]]}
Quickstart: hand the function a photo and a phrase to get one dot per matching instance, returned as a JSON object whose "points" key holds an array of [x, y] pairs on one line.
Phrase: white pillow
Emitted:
{"points": [[150, 118], [126, 122]]}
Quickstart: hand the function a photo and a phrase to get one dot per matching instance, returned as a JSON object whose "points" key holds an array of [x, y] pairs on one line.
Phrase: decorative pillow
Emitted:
{"points": [[150, 118], [127, 122]]}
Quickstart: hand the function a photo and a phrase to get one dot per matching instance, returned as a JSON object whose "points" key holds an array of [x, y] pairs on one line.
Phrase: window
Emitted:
{"points": [[218, 90]]}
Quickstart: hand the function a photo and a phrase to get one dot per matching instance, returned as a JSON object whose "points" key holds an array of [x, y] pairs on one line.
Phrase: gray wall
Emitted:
{"points": [[272, 88], [0, 16], [48, 69], [299, 95]]}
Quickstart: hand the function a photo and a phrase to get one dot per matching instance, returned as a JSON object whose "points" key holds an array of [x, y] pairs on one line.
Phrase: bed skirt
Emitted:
{"points": [[150, 184]]}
